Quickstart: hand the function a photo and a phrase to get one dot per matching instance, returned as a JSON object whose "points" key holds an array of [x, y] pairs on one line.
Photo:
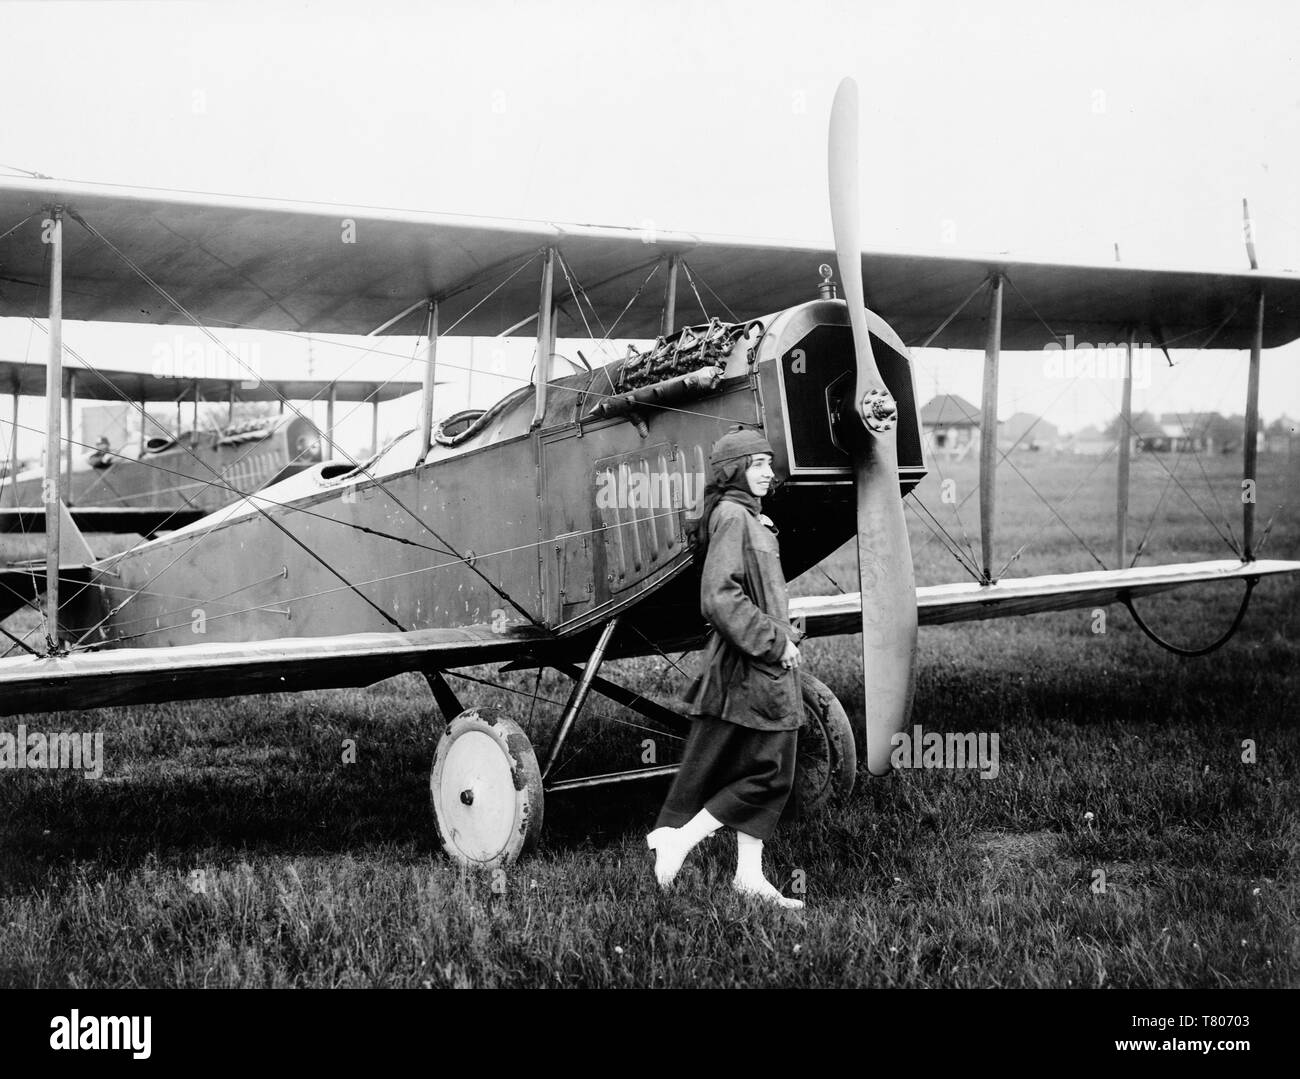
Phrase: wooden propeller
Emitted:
{"points": [[885, 569]]}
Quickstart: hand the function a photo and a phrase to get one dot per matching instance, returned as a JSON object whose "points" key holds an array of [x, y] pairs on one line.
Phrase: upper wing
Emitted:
{"points": [[825, 616], [346, 269], [106, 384]]}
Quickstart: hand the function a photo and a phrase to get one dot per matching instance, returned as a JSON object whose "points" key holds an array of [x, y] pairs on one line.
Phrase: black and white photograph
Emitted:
{"points": [[646, 495]]}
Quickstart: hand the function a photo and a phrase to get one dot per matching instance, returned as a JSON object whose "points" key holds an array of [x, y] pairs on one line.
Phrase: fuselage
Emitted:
{"points": [[561, 525]]}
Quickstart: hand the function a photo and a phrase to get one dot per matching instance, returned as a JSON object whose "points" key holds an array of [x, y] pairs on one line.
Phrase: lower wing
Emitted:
{"points": [[145, 675], [825, 616]]}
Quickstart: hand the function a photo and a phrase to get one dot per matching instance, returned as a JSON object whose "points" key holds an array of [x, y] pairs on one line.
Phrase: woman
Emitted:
{"points": [[738, 767]]}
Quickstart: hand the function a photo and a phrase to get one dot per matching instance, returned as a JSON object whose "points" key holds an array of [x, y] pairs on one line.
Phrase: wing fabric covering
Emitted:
{"points": [[938, 605], [263, 264], [146, 675]]}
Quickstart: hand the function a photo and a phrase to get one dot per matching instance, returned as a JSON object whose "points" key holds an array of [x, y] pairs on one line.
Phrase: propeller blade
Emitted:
{"points": [[884, 554]]}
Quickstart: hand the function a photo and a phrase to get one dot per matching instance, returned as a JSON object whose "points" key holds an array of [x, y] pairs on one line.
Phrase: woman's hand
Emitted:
{"points": [[790, 658]]}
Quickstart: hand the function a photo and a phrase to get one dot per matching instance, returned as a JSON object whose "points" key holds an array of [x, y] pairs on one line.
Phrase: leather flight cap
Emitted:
{"points": [[736, 443]]}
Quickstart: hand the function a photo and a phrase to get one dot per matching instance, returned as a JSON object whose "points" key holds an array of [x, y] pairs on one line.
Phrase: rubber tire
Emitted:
{"points": [[827, 758], [510, 820]]}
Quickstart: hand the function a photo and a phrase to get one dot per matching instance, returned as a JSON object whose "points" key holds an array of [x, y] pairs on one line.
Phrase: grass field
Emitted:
{"points": [[228, 845]]}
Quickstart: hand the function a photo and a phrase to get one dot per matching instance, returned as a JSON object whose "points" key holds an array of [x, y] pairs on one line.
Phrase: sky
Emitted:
{"points": [[1036, 129]]}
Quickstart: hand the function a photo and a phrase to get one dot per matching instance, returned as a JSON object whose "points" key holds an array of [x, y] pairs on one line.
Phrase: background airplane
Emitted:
{"points": [[163, 478]]}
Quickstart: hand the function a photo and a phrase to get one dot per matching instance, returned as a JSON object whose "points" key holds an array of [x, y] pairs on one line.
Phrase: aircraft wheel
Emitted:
{"points": [[486, 789], [827, 762]]}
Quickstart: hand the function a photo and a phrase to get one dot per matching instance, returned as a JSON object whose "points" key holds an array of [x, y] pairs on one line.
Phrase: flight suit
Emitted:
{"points": [[739, 761]]}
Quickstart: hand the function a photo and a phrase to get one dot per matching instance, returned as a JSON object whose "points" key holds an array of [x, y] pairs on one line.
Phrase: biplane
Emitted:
{"points": [[554, 528], [163, 480]]}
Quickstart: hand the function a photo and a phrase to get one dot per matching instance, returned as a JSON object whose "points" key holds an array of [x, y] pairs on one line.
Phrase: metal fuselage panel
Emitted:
{"points": [[436, 538], [563, 526]]}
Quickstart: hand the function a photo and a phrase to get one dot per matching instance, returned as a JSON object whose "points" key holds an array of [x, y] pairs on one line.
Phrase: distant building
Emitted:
{"points": [[1025, 431], [950, 426], [1213, 431], [1171, 438], [1194, 432]]}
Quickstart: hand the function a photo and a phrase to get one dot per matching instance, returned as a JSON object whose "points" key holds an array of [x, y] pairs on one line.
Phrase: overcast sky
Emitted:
{"points": [[1023, 127]]}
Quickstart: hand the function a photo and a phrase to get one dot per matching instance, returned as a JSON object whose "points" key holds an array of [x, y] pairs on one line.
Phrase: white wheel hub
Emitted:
{"points": [[486, 790]]}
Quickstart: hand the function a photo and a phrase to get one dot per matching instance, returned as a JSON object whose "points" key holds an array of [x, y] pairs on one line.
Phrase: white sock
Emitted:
{"points": [[749, 879], [749, 857], [699, 827]]}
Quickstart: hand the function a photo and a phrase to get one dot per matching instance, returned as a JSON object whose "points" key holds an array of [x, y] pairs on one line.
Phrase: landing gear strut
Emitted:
{"points": [[487, 786]]}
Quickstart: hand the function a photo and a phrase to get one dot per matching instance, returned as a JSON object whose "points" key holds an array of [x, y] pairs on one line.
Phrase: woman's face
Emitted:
{"points": [[759, 474]]}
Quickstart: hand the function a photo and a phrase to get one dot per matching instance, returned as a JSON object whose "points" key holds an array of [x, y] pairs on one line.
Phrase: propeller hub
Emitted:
{"points": [[879, 411]]}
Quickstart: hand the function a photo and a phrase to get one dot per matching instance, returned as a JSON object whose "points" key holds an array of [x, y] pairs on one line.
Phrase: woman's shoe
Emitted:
{"points": [[762, 888], [749, 879], [670, 852]]}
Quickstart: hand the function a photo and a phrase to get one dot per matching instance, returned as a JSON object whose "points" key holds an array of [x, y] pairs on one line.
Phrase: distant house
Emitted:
{"points": [[1171, 438], [950, 426], [1025, 431], [1193, 432], [1212, 431]]}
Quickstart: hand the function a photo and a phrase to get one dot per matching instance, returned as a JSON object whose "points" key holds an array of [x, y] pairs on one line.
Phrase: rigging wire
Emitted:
{"points": [[35, 602], [251, 499], [560, 704], [956, 507], [387, 577], [1101, 460], [378, 483], [690, 280], [1155, 513], [1263, 538], [1132, 432], [203, 535], [926, 517], [15, 228], [19, 642], [734, 317]]}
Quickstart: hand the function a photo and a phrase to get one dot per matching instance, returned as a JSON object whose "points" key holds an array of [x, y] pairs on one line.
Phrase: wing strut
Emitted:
{"points": [[426, 397], [67, 448], [331, 398], [1250, 448], [53, 395], [13, 434], [1125, 435], [670, 297], [545, 338], [374, 422], [989, 425], [578, 696]]}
